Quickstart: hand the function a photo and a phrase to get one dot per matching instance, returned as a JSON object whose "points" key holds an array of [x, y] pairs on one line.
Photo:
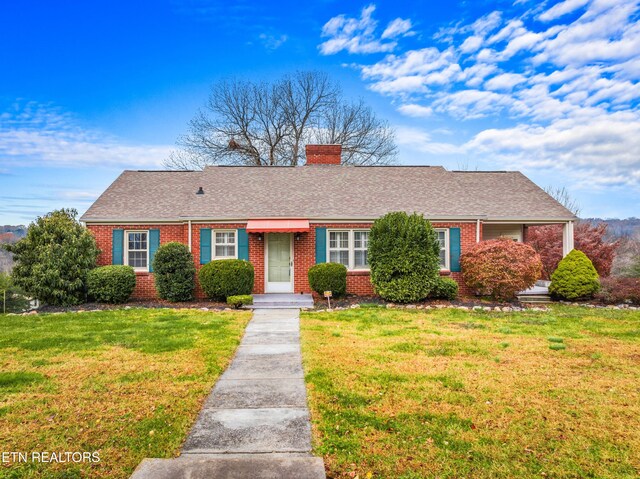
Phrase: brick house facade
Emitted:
{"points": [[320, 216]]}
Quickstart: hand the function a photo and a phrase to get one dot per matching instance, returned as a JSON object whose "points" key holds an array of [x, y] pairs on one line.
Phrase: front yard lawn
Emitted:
{"points": [[124, 383], [452, 394]]}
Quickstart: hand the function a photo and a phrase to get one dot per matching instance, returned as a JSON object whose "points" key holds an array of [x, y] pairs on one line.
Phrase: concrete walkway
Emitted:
{"points": [[255, 422]]}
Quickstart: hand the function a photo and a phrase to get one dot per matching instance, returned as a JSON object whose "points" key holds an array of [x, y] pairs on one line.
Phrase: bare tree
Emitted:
{"points": [[562, 196], [267, 124]]}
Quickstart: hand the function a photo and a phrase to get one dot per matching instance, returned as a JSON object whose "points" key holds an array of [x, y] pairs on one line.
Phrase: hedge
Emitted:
{"points": [[328, 277], [111, 284], [222, 278], [174, 272]]}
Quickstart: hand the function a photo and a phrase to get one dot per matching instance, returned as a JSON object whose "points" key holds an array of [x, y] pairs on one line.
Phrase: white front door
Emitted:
{"points": [[279, 264]]}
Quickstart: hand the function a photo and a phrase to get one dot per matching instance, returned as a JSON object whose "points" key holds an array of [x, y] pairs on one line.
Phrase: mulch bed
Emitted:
{"points": [[155, 304]]}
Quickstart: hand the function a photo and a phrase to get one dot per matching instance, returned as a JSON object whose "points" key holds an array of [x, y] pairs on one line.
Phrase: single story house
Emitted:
{"points": [[286, 219]]}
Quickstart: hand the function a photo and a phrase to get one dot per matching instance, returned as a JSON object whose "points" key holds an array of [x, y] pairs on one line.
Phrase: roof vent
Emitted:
{"points": [[200, 191]]}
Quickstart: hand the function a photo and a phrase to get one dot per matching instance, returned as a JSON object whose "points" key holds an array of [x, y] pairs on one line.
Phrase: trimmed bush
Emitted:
{"points": [[404, 256], [328, 277], [500, 268], [226, 277], [615, 290], [239, 300], [111, 284], [575, 277], [444, 288], [174, 272]]}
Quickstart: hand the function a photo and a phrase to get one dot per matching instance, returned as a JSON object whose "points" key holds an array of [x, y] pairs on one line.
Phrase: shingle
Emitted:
{"points": [[322, 192]]}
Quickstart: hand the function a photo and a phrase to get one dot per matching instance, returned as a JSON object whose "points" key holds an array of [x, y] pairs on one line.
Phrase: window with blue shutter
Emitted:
{"points": [[454, 249], [243, 244], [321, 245], [117, 247], [205, 245], [154, 244]]}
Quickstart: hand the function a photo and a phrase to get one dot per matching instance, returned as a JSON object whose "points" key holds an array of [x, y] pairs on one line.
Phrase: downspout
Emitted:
{"points": [[189, 236], [478, 231]]}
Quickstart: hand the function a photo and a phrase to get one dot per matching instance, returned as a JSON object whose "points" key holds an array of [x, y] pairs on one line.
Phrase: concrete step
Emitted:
{"points": [[209, 466], [539, 298], [296, 305]]}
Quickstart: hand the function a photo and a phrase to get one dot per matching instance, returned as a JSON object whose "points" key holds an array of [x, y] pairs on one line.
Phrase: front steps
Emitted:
{"points": [[281, 301]]}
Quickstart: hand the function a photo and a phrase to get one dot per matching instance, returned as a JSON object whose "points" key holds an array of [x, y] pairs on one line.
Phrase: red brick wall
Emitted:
{"points": [[304, 254]]}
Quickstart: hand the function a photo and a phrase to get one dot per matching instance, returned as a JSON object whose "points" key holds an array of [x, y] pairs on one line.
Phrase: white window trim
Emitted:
{"points": [[126, 250], [447, 249], [213, 244], [352, 253]]}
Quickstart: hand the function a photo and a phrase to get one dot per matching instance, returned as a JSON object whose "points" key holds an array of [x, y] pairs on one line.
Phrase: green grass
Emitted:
{"points": [[451, 393], [125, 383]]}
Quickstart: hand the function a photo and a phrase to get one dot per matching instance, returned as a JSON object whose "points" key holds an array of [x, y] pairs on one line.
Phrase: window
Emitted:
{"points": [[339, 247], [443, 240], [360, 245], [224, 244], [349, 247], [137, 250]]}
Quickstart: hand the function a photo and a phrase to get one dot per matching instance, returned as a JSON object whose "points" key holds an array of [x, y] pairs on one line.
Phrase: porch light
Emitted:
{"points": [[200, 191], [298, 236]]}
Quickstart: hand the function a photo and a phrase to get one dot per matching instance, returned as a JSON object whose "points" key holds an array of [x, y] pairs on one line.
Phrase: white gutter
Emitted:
{"points": [[189, 236], [478, 231]]}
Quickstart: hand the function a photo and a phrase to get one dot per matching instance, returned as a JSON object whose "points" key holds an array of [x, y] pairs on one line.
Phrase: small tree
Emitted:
{"points": [[174, 272], [52, 261], [12, 299], [500, 268], [575, 277], [404, 256]]}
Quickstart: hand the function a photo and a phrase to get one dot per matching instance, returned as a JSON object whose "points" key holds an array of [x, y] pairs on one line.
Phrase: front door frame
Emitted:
{"points": [[266, 266]]}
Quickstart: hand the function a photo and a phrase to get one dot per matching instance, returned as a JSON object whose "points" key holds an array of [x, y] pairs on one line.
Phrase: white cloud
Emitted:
{"points": [[272, 42], [566, 96], [562, 9], [396, 28], [36, 134], [414, 110], [357, 35], [505, 81]]}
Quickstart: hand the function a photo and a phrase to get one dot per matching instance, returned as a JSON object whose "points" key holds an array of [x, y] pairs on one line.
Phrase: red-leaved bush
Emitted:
{"points": [[500, 268], [588, 238], [619, 290]]}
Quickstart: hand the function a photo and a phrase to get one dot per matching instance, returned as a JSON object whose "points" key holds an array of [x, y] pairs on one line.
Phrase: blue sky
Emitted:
{"points": [[88, 89]]}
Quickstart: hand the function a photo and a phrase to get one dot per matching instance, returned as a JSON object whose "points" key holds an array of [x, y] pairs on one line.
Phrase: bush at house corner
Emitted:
{"points": [[500, 268], [52, 261], [328, 277], [111, 284], [222, 278], [575, 277], [174, 272], [404, 256]]}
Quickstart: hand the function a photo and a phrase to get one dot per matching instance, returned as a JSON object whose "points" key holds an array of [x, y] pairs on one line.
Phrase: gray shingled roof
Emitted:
{"points": [[322, 192]]}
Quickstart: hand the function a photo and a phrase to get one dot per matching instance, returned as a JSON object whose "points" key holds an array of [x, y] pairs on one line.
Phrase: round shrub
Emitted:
{"points": [[328, 277], [240, 300], [500, 268], [226, 277], [575, 277], [174, 272], [111, 284], [404, 257], [444, 288]]}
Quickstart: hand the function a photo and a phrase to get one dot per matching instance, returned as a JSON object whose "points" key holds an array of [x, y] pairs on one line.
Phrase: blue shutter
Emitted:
{"points": [[154, 244], [321, 245], [117, 247], [243, 244], [454, 249], [205, 245]]}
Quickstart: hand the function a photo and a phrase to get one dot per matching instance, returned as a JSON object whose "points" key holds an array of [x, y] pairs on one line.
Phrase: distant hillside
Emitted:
{"points": [[619, 228], [9, 234]]}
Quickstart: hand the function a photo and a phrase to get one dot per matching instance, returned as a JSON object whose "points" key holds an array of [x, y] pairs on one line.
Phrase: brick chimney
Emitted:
{"points": [[324, 154]]}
